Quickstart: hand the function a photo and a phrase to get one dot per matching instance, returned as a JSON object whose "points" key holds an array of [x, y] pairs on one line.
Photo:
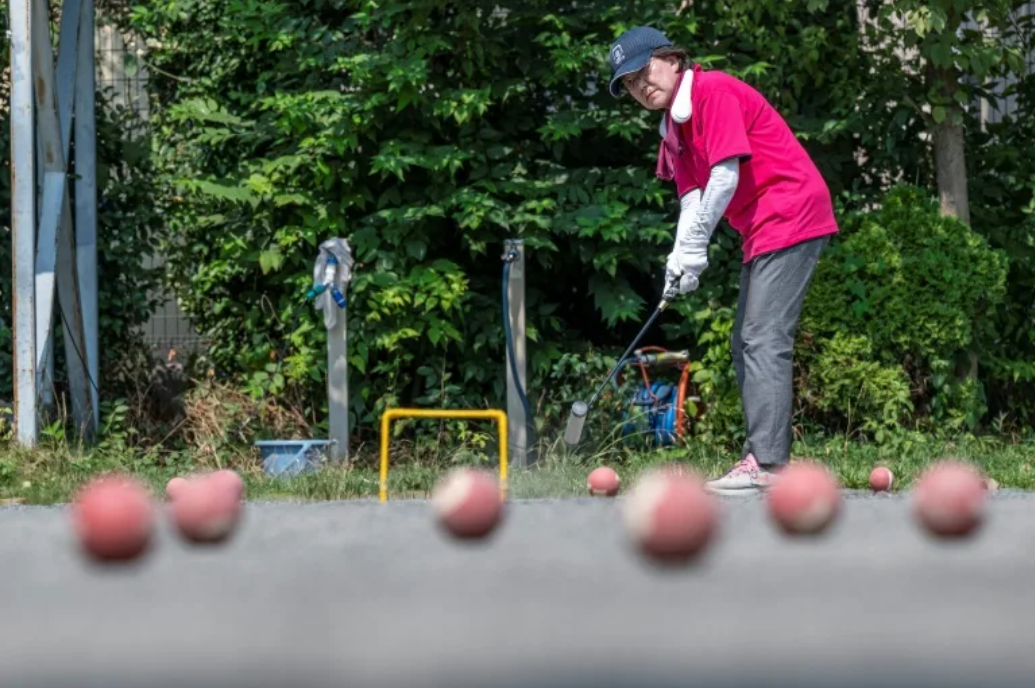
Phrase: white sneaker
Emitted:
{"points": [[745, 478]]}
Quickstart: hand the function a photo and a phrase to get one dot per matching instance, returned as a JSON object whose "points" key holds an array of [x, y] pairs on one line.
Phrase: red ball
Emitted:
{"points": [[205, 511], [805, 499], [229, 480], [950, 499], [174, 487], [881, 479], [467, 503], [603, 482], [114, 518], [669, 517]]}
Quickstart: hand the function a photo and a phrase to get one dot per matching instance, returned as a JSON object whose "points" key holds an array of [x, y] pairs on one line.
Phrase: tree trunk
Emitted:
{"points": [[950, 161], [950, 156]]}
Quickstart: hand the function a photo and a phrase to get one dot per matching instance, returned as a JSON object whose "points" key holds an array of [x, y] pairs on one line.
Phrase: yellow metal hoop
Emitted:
{"points": [[396, 413]]}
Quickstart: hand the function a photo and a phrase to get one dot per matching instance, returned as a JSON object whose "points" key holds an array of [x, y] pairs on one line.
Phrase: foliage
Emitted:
{"points": [[916, 39], [844, 380], [947, 54], [1003, 195], [893, 305]]}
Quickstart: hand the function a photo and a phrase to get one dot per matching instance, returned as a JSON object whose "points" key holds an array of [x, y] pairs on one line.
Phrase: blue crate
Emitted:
{"points": [[289, 458]]}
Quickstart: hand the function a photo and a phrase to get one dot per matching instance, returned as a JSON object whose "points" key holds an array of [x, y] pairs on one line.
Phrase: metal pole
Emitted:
{"points": [[48, 138], [338, 386], [517, 427], [44, 370], [86, 199], [23, 222], [55, 256], [66, 264]]}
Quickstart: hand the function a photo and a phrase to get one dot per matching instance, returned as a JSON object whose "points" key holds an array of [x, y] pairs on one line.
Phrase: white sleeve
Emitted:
{"points": [[700, 214]]}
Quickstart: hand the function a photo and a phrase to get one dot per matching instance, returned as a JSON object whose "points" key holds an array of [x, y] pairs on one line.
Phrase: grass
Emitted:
{"points": [[50, 475]]}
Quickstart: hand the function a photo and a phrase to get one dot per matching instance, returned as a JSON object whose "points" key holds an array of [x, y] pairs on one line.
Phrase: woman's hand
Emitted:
{"points": [[680, 278]]}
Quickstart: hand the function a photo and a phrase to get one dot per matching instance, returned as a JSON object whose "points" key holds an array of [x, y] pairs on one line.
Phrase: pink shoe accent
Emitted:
{"points": [[746, 466]]}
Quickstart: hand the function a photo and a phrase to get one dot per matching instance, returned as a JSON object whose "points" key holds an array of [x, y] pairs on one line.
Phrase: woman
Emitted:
{"points": [[732, 155]]}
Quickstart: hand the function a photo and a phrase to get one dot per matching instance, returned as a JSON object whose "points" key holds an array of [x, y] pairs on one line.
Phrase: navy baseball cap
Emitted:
{"points": [[631, 52]]}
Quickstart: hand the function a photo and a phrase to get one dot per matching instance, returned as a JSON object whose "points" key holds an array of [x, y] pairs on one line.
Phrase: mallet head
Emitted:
{"points": [[576, 421]]}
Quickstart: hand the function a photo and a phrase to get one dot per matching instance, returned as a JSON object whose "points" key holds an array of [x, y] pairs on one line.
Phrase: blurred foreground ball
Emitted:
{"points": [[603, 482], [949, 500], [805, 499], [114, 518], [230, 481], [881, 479], [205, 511], [174, 487], [467, 503], [669, 516]]}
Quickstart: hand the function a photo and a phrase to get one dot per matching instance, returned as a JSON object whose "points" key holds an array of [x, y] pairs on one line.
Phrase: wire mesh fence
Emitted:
{"points": [[123, 76]]}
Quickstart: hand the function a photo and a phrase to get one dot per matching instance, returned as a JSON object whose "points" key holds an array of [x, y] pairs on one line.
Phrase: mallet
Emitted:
{"points": [[579, 410]]}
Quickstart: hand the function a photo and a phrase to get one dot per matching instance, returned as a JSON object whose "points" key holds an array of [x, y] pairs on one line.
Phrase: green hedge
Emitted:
{"points": [[895, 306]]}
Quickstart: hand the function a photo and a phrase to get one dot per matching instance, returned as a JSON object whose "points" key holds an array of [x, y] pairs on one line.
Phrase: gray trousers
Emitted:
{"points": [[772, 291]]}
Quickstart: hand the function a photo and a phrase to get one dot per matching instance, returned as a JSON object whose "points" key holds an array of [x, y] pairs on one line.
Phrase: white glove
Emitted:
{"points": [[679, 280]]}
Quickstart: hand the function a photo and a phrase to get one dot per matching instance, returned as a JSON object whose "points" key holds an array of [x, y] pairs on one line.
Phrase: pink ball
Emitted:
{"points": [[669, 516], [950, 499], [603, 482], [174, 487], [467, 503], [113, 518], [804, 499], [205, 512], [230, 481], [881, 479]]}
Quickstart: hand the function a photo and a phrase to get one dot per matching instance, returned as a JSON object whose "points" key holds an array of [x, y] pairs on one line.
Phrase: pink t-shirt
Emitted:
{"points": [[781, 199]]}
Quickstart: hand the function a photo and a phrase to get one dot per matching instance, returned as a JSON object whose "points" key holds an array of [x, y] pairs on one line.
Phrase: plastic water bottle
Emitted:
{"points": [[339, 298], [330, 271]]}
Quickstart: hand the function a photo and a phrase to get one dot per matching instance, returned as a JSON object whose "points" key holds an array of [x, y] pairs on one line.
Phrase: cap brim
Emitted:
{"points": [[630, 66]]}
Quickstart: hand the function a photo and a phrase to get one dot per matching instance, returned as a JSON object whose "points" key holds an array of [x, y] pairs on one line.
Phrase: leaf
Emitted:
{"points": [[223, 191], [614, 298], [416, 249], [938, 114], [281, 200], [941, 52], [271, 260], [260, 184], [359, 363]]}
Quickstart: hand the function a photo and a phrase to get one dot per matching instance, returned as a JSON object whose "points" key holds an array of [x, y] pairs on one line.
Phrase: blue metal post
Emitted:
{"points": [[86, 198]]}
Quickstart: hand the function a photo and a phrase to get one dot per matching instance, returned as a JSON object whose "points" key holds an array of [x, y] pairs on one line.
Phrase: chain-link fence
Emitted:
{"points": [[122, 75]]}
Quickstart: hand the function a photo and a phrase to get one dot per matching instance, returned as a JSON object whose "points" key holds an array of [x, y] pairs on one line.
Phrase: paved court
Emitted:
{"points": [[363, 594]]}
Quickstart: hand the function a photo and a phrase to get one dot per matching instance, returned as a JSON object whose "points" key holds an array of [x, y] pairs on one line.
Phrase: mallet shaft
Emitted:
{"points": [[650, 321]]}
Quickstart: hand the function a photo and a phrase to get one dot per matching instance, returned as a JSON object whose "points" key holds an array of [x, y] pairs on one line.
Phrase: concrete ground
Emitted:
{"points": [[362, 594]]}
